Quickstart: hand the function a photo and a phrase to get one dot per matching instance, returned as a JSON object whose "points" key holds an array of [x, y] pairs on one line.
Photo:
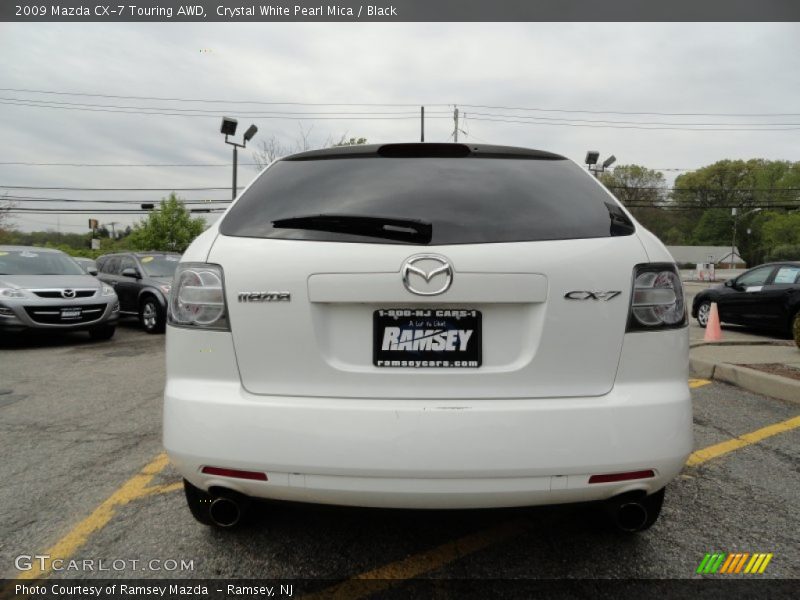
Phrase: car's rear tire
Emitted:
{"points": [[102, 332], [795, 329], [151, 315], [199, 503], [703, 312]]}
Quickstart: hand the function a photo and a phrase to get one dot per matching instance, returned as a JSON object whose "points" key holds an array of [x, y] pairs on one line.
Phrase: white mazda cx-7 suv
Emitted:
{"points": [[427, 326]]}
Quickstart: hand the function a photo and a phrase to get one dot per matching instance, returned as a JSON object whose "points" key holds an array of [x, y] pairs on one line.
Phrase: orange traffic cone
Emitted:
{"points": [[713, 330]]}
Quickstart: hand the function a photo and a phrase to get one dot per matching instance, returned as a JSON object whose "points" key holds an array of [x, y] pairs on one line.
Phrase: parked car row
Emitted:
{"points": [[142, 281], [43, 288]]}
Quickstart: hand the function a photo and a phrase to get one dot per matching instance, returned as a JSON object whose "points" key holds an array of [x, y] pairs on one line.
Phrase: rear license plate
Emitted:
{"points": [[426, 338], [70, 313]]}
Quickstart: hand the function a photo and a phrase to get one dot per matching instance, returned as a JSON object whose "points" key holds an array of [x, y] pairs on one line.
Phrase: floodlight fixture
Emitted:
{"points": [[251, 131], [591, 157], [609, 161], [228, 126], [228, 129]]}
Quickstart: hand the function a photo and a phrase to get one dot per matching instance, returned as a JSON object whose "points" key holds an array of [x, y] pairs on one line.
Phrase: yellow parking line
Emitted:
{"points": [[134, 488], [382, 578], [162, 489], [696, 383], [747, 439]]}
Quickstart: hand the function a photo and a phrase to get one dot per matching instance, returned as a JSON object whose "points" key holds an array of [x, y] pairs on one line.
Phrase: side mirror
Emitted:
{"points": [[731, 283], [131, 272], [91, 271]]}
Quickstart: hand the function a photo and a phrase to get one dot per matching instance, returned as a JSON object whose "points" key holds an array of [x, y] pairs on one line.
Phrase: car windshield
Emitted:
{"points": [[159, 265], [31, 262]]}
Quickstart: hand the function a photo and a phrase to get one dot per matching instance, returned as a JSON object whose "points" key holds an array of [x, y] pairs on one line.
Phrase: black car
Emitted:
{"points": [[767, 296], [142, 281]]}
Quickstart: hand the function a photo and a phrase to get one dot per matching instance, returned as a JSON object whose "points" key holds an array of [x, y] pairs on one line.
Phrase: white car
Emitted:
{"points": [[427, 326]]}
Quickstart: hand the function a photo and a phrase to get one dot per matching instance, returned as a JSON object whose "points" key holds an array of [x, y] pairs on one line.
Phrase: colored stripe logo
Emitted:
{"points": [[734, 563]]}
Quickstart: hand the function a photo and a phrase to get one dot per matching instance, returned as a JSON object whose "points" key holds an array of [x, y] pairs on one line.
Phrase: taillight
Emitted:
{"points": [[657, 299], [197, 298]]}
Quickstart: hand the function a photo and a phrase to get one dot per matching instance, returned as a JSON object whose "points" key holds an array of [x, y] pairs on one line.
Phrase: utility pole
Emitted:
{"points": [[733, 237], [113, 231], [455, 120], [421, 123], [235, 168]]}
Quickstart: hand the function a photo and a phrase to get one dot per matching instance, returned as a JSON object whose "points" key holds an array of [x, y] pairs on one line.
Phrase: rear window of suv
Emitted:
{"points": [[465, 200]]}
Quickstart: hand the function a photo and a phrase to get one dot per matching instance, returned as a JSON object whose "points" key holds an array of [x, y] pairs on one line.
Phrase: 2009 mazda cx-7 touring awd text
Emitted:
{"points": [[427, 326]]}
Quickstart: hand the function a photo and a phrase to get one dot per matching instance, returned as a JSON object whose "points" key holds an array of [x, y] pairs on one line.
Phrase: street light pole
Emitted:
{"points": [[734, 212], [235, 168]]}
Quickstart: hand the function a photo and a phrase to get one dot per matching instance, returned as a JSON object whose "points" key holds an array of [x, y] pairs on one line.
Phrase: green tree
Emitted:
{"points": [[740, 184], [169, 227], [781, 229], [714, 228], [644, 192]]}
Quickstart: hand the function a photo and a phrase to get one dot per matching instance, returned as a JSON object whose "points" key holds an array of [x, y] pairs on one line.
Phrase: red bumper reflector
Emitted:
{"points": [[235, 473], [611, 477]]}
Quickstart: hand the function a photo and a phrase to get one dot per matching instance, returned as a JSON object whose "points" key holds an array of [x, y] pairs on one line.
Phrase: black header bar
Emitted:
{"points": [[399, 11]]}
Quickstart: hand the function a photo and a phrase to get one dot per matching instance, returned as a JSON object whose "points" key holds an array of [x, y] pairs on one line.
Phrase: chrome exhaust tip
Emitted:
{"points": [[631, 516], [225, 512]]}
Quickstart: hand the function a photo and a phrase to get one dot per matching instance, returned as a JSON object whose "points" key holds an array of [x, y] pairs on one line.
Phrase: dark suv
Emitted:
{"points": [[142, 281]]}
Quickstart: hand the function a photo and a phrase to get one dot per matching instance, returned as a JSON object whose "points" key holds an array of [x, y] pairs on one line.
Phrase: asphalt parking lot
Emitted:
{"points": [[84, 478]]}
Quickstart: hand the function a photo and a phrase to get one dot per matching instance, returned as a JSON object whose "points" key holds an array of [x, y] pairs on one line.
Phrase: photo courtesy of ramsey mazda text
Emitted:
{"points": [[427, 326]]}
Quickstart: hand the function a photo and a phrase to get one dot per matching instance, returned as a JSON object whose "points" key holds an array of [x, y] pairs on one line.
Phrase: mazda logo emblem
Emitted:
{"points": [[427, 274], [67, 293]]}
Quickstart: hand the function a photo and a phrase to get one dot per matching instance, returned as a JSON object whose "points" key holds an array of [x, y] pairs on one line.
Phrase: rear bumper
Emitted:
{"points": [[421, 454], [428, 453]]}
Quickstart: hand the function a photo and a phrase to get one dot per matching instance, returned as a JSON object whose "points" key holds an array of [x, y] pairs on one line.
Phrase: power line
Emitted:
{"points": [[92, 201], [625, 126], [782, 206], [514, 119], [414, 104], [48, 103], [173, 113], [260, 102], [699, 189], [607, 121], [131, 189], [55, 164], [622, 112], [81, 211], [684, 169]]}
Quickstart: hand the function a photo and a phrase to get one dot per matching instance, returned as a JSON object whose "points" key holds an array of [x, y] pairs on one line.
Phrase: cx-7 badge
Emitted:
{"points": [[592, 295]]}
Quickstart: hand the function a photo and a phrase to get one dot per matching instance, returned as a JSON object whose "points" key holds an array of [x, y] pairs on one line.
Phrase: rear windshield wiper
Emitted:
{"points": [[404, 230]]}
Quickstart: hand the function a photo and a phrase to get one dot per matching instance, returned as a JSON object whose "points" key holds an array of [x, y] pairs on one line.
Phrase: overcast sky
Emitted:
{"points": [[651, 68]]}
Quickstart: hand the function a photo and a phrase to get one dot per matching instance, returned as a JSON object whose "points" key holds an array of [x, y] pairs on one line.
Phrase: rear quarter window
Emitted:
{"points": [[466, 200]]}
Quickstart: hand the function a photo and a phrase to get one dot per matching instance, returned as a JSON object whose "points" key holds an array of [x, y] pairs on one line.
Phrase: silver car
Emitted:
{"points": [[41, 288]]}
